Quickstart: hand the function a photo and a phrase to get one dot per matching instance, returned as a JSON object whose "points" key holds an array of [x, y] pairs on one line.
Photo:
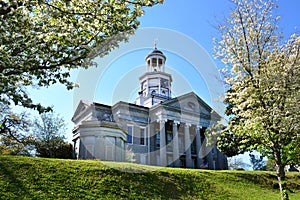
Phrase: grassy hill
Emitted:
{"points": [[37, 178]]}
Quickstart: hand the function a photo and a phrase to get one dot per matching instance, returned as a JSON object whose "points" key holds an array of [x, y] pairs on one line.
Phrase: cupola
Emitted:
{"points": [[155, 83], [155, 61]]}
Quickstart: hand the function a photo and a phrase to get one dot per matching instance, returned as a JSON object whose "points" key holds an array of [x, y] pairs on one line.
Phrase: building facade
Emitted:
{"points": [[156, 130]]}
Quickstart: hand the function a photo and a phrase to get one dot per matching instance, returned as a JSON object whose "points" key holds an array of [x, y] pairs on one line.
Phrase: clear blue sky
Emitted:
{"points": [[192, 18]]}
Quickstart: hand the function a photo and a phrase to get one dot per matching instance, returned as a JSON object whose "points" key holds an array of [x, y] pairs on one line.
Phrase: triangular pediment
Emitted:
{"points": [[189, 102], [81, 108]]}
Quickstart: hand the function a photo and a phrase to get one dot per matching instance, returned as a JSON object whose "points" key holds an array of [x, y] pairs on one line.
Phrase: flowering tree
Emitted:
{"points": [[49, 132], [263, 78], [42, 40], [15, 132]]}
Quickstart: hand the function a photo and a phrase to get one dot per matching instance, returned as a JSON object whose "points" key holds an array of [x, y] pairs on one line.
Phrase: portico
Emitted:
{"points": [[179, 144]]}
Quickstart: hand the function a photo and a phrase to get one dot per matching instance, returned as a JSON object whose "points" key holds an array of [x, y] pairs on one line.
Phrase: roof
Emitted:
{"points": [[155, 51]]}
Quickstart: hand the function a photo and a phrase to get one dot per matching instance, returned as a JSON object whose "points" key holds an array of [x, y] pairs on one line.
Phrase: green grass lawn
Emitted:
{"points": [[38, 178]]}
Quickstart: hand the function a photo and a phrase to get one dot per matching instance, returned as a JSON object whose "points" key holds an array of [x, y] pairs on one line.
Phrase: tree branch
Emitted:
{"points": [[8, 9]]}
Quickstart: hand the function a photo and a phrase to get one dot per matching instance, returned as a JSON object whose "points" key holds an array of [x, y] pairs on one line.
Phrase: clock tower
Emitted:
{"points": [[155, 84]]}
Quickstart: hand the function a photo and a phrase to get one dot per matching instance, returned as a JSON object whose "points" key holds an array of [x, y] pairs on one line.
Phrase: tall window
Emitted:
{"points": [[142, 136], [194, 147], [129, 134], [180, 143], [157, 138], [169, 136], [169, 140]]}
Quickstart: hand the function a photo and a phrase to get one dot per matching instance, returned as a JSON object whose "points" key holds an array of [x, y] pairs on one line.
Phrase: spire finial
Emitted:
{"points": [[155, 43]]}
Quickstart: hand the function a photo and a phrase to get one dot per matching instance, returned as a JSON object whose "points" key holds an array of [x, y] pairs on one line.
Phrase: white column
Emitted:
{"points": [[187, 146], [175, 145], [162, 150], [169, 86], [159, 86], [147, 88], [148, 142], [198, 146]]}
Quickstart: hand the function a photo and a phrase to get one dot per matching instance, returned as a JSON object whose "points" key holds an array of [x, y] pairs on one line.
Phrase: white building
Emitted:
{"points": [[157, 129]]}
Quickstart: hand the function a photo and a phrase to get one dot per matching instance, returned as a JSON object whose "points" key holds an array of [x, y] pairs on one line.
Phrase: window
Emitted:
{"points": [[154, 62], [129, 134], [157, 138], [142, 136], [169, 136], [180, 143], [202, 131], [164, 83], [160, 62], [169, 140], [194, 147], [182, 163]]}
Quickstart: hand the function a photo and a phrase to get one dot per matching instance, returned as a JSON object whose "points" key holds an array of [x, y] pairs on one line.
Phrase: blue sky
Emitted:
{"points": [[192, 18]]}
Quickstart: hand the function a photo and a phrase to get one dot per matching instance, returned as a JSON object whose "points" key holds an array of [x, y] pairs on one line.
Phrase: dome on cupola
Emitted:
{"points": [[155, 52]]}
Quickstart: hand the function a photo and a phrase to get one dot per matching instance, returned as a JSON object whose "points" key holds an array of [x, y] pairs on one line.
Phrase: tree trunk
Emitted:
{"points": [[281, 182]]}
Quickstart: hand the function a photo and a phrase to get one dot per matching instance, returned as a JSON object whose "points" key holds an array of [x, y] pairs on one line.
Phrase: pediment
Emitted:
{"points": [[82, 107], [189, 102]]}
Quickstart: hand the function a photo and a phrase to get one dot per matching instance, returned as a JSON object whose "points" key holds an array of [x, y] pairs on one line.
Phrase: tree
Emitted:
{"points": [[130, 156], [15, 132], [42, 40], [236, 163], [263, 78], [270, 165], [257, 162], [49, 137], [229, 143], [9, 146], [54, 148]]}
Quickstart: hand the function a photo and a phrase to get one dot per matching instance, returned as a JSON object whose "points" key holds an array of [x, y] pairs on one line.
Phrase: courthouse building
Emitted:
{"points": [[157, 129]]}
